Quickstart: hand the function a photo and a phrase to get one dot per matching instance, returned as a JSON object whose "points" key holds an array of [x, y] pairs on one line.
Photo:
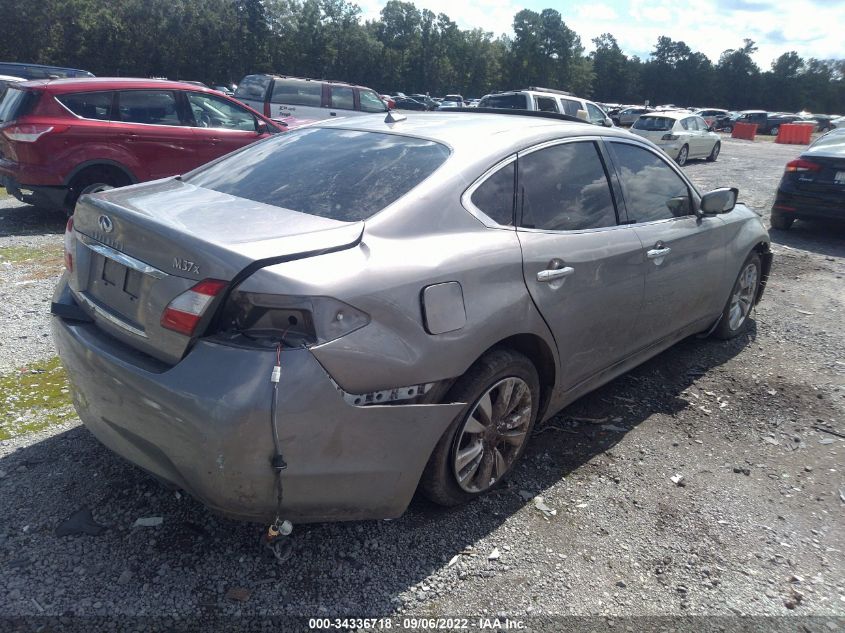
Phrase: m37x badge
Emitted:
{"points": [[186, 266]]}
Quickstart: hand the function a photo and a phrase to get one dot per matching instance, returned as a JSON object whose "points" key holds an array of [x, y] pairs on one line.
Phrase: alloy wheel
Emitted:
{"points": [[743, 296], [492, 435]]}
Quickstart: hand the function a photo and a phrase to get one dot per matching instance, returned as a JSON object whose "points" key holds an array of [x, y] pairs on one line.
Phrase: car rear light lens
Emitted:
{"points": [[29, 133], [799, 164], [669, 137], [185, 312], [70, 241], [296, 319]]}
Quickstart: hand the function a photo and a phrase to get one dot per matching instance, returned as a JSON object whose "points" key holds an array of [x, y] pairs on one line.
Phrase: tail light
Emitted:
{"points": [[296, 319], [669, 137], [185, 312], [799, 164], [70, 241], [30, 132]]}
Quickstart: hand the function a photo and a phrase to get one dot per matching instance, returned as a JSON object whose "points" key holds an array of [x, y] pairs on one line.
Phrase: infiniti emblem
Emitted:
{"points": [[105, 223]]}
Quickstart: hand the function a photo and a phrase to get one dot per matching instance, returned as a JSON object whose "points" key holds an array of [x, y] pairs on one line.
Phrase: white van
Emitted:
{"points": [[280, 97], [547, 100]]}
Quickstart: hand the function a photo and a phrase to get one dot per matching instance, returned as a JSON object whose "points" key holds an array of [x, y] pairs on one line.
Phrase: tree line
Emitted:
{"points": [[405, 49]]}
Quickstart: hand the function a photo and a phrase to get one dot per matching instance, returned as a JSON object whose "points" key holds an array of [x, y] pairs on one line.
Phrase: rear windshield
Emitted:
{"points": [[509, 102], [253, 87], [16, 103], [654, 124], [344, 175]]}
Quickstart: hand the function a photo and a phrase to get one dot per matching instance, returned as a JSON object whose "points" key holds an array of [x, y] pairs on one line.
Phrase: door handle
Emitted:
{"points": [[545, 276], [657, 253]]}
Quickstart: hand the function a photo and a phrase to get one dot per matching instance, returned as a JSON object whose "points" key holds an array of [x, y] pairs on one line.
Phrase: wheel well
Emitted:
{"points": [[112, 170], [541, 356]]}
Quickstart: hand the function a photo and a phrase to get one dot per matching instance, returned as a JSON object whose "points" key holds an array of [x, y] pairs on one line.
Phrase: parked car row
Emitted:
{"points": [[63, 138]]}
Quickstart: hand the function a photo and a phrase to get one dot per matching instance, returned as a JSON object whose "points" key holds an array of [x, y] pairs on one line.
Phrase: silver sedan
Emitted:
{"points": [[320, 323]]}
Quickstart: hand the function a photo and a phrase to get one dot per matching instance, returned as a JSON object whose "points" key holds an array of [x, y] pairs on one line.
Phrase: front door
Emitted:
{"points": [[683, 255], [580, 264], [220, 126]]}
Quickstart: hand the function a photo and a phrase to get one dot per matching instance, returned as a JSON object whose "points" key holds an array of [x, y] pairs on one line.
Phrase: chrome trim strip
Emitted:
{"points": [[122, 258], [108, 316]]}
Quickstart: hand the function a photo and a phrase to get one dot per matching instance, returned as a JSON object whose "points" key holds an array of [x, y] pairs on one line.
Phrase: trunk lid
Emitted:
{"points": [[140, 247]]}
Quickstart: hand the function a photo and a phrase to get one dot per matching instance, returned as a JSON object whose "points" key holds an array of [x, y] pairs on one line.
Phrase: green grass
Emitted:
{"points": [[29, 255], [34, 398]]}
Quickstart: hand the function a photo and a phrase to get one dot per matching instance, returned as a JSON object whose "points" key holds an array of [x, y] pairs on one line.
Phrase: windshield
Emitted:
{"points": [[344, 175], [509, 102], [654, 124]]}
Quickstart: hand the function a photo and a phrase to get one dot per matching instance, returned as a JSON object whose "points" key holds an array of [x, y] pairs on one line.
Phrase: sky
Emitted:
{"points": [[812, 28]]}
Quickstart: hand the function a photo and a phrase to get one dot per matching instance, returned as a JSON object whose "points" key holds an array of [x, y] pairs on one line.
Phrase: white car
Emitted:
{"points": [[680, 134], [547, 100]]}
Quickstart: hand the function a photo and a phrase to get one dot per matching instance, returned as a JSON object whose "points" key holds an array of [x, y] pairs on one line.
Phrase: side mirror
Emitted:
{"points": [[261, 127], [719, 201], [607, 122], [711, 128]]}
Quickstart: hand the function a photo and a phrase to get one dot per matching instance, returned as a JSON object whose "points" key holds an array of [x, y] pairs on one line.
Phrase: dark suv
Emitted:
{"points": [[62, 138], [39, 71]]}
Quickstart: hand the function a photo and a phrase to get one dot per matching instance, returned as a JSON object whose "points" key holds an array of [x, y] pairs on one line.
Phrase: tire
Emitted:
{"points": [[682, 156], [728, 128], [455, 472], [92, 180], [774, 131], [781, 222], [735, 316], [714, 153]]}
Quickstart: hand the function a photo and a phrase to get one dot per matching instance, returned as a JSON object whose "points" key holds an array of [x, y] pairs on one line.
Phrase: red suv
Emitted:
{"points": [[62, 138]]}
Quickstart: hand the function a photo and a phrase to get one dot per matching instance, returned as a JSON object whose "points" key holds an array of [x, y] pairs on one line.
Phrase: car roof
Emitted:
{"points": [[82, 84], [670, 114], [334, 82], [462, 129]]}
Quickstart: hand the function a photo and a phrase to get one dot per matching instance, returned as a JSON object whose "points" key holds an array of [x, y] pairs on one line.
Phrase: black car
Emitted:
{"points": [[813, 185], [427, 101], [406, 103]]}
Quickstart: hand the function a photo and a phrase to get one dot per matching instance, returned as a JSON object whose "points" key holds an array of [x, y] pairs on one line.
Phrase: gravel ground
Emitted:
{"points": [[708, 481]]}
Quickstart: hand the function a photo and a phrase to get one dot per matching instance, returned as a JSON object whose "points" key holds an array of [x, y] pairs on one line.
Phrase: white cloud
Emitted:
{"points": [[707, 26]]}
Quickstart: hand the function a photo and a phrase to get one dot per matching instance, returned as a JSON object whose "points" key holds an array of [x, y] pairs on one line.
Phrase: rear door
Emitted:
{"points": [[155, 128], [683, 255], [220, 126], [580, 264]]}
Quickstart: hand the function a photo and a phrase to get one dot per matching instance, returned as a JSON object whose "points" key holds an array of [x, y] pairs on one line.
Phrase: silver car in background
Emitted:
{"points": [[322, 322], [680, 134]]}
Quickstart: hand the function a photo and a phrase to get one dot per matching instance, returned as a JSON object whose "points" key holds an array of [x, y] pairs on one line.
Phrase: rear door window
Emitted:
{"points": [[565, 188], [151, 107], [298, 92], [345, 175], [342, 98], [570, 107], [89, 105]]}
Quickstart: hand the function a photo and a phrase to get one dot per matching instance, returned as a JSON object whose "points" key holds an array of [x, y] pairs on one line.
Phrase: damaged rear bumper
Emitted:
{"points": [[204, 425]]}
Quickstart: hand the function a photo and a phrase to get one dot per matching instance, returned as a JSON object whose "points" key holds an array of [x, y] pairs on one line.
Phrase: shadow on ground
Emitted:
{"points": [[194, 556], [18, 218], [820, 236]]}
